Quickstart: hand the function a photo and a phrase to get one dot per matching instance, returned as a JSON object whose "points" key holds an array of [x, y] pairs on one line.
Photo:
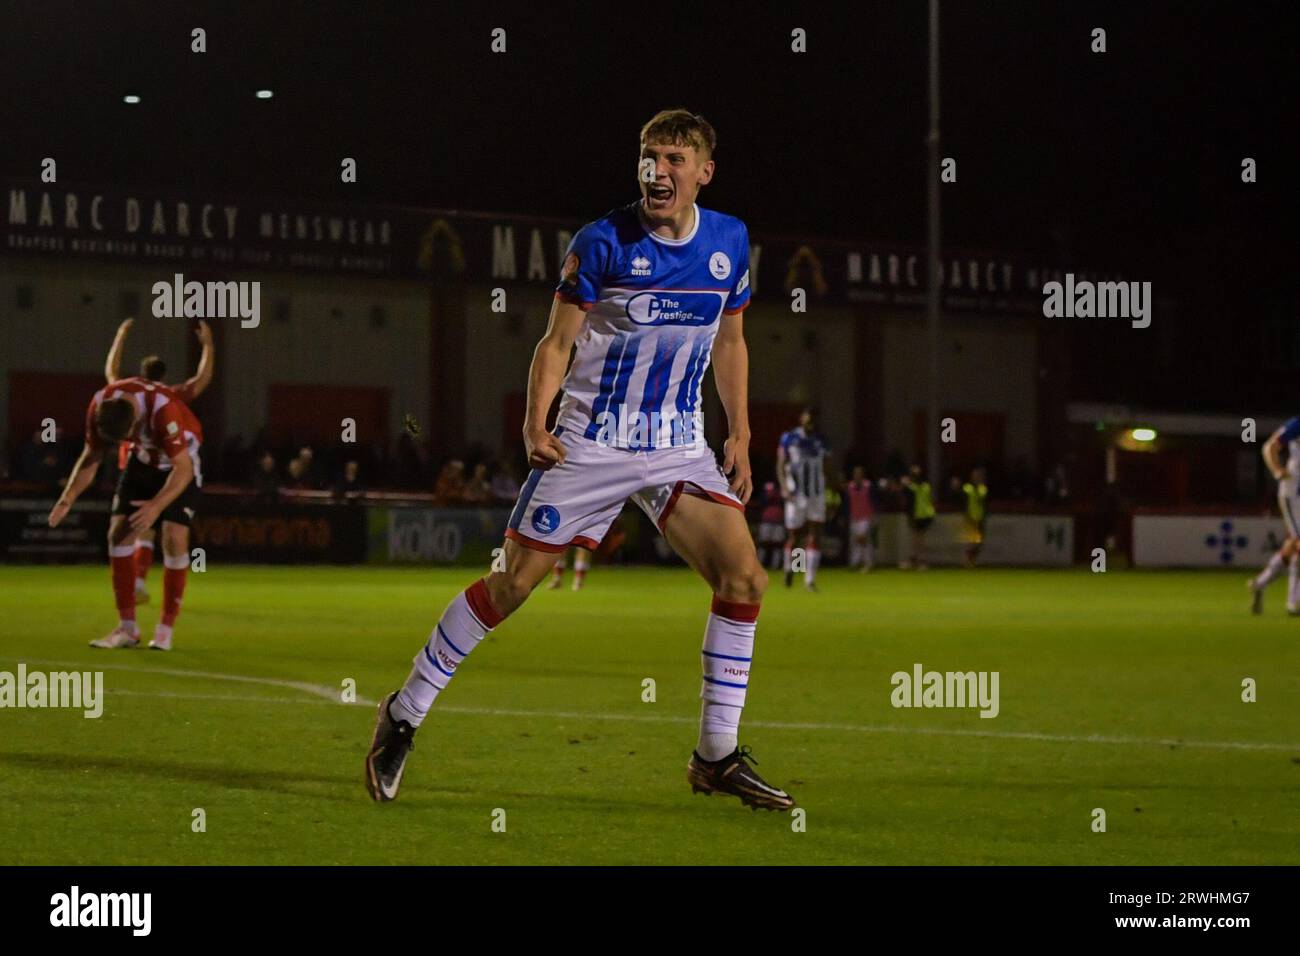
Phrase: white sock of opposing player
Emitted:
{"points": [[1271, 571], [468, 617], [1293, 583], [812, 559], [728, 650]]}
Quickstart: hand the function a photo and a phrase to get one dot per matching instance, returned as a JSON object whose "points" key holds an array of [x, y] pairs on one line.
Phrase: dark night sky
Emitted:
{"points": [[1117, 159]]}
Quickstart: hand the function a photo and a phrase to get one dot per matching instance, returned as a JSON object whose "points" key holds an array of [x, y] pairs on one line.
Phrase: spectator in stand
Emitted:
{"points": [[349, 487], [310, 475], [1056, 489], [505, 487], [266, 483], [450, 488], [41, 461], [477, 490], [298, 476], [954, 495]]}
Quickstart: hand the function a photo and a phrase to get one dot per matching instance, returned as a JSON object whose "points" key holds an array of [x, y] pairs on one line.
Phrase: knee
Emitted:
{"points": [[176, 542], [507, 591], [745, 585]]}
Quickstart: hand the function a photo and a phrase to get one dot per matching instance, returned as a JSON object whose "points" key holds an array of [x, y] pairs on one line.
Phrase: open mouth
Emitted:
{"points": [[659, 195]]}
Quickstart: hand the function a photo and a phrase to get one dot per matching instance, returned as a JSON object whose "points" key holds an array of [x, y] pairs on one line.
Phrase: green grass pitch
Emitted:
{"points": [[1119, 690]]}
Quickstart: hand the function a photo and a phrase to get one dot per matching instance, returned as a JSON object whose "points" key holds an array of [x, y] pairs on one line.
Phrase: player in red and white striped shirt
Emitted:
{"points": [[161, 482], [153, 368]]}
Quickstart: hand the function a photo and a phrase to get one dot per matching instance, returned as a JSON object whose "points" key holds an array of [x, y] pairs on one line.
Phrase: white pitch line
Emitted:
{"points": [[317, 690], [331, 695], [240, 698]]}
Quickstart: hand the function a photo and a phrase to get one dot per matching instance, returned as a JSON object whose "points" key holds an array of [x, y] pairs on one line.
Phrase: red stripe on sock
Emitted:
{"points": [[735, 610], [479, 602]]}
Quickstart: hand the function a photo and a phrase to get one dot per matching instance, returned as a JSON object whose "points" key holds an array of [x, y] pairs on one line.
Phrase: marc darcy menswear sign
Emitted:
{"points": [[199, 231]]}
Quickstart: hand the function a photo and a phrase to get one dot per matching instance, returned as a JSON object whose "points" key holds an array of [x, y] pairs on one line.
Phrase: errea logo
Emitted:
{"points": [[640, 266]]}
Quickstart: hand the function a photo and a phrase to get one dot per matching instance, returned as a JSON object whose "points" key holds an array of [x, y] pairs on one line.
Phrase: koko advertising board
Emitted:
{"points": [[436, 535]]}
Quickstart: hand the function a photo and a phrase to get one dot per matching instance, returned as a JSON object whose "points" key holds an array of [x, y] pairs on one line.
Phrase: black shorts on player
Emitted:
{"points": [[139, 482]]}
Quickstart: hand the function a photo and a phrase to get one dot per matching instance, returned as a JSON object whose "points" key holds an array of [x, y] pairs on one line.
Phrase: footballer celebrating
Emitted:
{"points": [[153, 368], [1287, 477], [650, 295], [161, 481]]}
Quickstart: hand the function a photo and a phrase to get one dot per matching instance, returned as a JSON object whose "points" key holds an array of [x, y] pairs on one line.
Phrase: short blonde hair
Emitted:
{"points": [[681, 127]]}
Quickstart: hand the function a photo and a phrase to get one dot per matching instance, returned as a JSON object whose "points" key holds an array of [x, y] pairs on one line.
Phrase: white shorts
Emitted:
{"points": [[770, 532], [860, 528], [576, 502], [1289, 504], [801, 509]]}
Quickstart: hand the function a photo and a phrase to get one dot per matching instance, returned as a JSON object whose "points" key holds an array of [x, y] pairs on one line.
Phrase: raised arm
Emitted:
{"points": [[195, 386], [550, 360], [114, 361]]}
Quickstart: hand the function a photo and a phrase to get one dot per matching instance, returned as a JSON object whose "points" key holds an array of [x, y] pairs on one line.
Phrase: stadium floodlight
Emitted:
{"points": [[131, 98], [1143, 434], [264, 94]]}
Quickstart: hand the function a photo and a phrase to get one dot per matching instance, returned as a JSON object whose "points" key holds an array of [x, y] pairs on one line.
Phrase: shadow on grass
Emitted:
{"points": [[342, 788]]}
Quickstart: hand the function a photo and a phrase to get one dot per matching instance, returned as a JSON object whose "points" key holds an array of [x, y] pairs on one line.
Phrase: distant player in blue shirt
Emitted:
{"points": [[1288, 502], [649, 295], [801, 476]]}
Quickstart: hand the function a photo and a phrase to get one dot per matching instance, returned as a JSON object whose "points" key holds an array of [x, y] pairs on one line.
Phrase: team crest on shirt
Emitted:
{"points": [[640, 266], [720, 265], [546, 519]]}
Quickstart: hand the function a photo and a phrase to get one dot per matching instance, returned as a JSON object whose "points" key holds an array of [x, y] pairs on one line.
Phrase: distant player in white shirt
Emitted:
{"points": [[649, 294], [1288, 503], [801, 475]]}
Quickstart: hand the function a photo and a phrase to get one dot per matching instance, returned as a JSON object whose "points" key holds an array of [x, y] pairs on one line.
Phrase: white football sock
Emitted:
{"points": [[813, 558], [1271, 571], [1293, 582], [456, 635], [728, 650]]}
